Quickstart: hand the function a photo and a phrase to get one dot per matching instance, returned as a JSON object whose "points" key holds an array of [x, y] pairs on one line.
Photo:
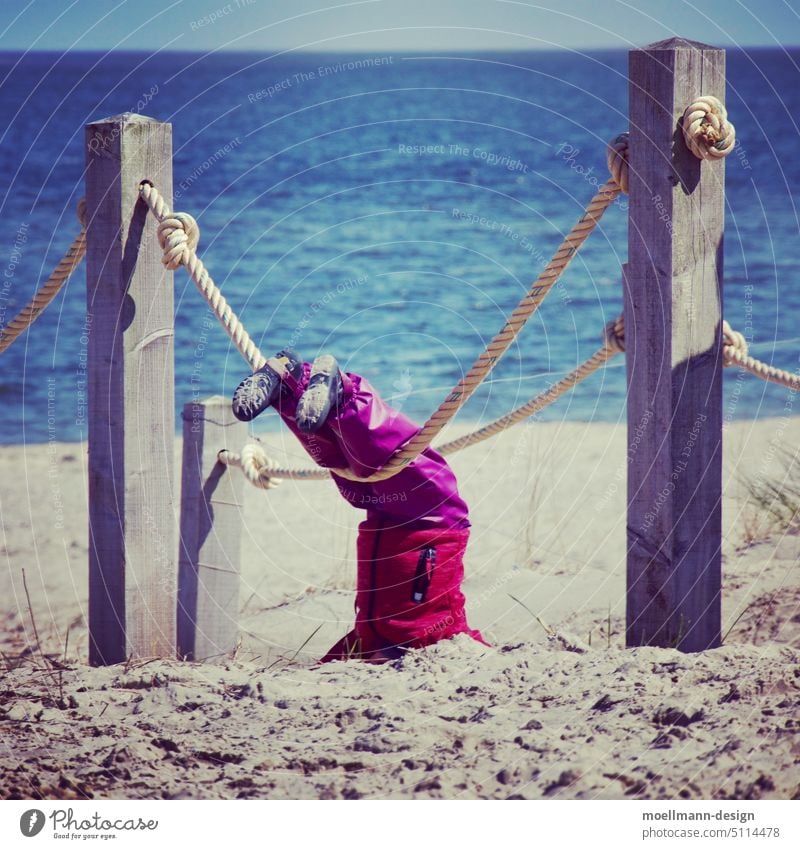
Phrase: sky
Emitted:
{"points": [[389, 25]]}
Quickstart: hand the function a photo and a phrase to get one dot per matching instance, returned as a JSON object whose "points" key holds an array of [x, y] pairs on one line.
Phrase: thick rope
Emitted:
{"points": [[178, 235], [614, 343], [262, 471], [734, 350], [258, 468], [617, 160], [464, 389], [41, 300], [706, 129]]}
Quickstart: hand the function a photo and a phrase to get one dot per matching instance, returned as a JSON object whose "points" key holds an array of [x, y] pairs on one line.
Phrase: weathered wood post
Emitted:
{"points": [[673, 310], [211, 531], [131, 419]]}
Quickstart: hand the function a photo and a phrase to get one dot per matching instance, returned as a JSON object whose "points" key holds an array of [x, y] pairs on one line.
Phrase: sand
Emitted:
{"points": [[573, 715]]}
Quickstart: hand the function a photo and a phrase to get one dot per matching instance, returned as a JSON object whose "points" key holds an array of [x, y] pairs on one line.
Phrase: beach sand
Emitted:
{"points": [[567, 714]]}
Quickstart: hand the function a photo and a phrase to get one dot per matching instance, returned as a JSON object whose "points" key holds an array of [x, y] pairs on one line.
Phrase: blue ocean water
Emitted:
{"points": [[389, 209]]}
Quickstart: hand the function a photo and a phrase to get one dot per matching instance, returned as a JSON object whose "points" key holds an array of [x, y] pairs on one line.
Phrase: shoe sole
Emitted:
{"points": [[254, 394], [259, 391], [315, 403]]}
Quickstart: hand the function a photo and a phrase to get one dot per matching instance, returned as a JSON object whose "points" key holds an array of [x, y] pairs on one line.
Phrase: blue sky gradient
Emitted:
{"points": [[389, 25]]}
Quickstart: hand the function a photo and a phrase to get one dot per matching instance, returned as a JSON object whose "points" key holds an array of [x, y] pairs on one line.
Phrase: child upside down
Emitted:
{"points": [[411, 546]]}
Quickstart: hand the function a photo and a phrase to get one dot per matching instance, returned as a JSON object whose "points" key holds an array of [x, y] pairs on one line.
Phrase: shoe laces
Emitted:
{"points": [[252, 395]]}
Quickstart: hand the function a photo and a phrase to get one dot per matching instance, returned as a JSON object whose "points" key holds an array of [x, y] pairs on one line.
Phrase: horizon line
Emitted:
{"points": [[366, 52]]}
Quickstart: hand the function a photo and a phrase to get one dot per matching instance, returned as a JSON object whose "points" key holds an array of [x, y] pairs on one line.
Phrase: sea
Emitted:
{"points": [[388, 209]]}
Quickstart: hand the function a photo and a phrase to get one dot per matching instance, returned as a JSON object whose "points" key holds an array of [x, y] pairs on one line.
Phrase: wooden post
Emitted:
{"points": [[211, 531], [131, 428], [673, 310]]}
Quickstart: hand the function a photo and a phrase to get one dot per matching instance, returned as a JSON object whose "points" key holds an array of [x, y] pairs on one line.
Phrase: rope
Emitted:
{"points": [[617, 160], [261, 470], [41, 300], [178, 235], [264, 472], [708, 134], [464, 389], [734, 350], [614, 343], [706, 129]]}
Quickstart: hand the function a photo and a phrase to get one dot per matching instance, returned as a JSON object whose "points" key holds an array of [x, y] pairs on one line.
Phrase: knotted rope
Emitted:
{"points": [[263, 472], [257, 467], [46, 293], [734, 350], [706, 129], [617, 160], [179, 235]]}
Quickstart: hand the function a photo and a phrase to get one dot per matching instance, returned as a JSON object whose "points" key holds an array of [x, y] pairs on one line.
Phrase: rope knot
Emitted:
{"points": [[178, 235], [706, 128], [734, 345], [81, 213], [614, 334], [617, 159], [256, 466]]}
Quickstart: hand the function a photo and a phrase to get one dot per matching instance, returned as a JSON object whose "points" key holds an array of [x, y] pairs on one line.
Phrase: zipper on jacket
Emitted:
{"points": [[374, 579], [423, 575]]}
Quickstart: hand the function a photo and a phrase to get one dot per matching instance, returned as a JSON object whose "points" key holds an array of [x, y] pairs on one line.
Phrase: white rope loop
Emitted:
{"points": [[706, 129], [734, 345], [179, 235], [256, 466], [734, 351], [264, 472]]}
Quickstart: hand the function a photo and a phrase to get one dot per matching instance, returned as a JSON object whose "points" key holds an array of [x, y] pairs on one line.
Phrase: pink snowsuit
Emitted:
{"points": [[411, 546]]}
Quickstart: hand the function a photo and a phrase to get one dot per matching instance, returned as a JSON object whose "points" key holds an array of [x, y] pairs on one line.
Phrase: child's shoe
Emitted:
{"points": [[257, 392], [324, 392]]}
